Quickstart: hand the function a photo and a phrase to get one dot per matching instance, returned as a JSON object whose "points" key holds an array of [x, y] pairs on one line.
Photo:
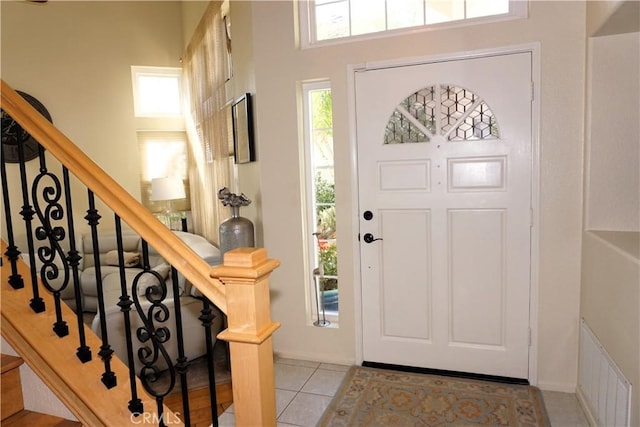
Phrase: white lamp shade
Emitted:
{"points": [[167, 188]]}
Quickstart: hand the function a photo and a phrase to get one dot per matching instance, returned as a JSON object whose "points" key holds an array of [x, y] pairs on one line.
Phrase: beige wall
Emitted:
{"points": [[247, 175], [613, 134], [191, 14], [612, 17], [76, 58], [559, 27]]}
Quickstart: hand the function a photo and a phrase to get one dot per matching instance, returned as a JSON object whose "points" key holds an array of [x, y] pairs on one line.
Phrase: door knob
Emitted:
{"points": [[368, 238]]}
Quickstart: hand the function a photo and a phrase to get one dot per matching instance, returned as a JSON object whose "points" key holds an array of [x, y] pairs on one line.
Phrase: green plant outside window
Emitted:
{"points": [[324, 187]]}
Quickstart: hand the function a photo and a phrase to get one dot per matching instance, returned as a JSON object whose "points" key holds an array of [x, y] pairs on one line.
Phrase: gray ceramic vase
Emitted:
{"points": [[236, 232]]}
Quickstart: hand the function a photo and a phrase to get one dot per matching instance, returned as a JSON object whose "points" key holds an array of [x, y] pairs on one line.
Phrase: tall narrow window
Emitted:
{"points": [[321, 237]]}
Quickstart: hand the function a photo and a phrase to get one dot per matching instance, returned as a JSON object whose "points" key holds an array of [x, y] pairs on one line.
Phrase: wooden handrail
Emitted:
{"points": [[166, 243]]}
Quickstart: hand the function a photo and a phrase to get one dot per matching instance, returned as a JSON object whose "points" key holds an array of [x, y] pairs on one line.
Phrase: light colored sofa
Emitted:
{"points": [[193, 332]]}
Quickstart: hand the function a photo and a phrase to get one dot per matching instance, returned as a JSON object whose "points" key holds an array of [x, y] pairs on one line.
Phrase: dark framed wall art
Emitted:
{"points": [[242, 116]]}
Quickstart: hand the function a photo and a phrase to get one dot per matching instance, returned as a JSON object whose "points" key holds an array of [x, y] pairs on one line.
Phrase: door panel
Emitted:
{"points": [[404, 175], [403, 301], [476, 174], [476, 259], [444, 164]]}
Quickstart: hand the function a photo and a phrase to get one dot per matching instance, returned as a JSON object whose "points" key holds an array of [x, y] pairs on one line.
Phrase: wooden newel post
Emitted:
{"points": [[245, 274]]}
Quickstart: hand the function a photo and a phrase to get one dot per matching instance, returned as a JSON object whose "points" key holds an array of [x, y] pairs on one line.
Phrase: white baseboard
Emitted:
{"points": [[561, 387], [320, 358]]}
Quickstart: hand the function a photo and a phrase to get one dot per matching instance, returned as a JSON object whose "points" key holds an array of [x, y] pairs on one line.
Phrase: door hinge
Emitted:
{"points": [[529, 337]]}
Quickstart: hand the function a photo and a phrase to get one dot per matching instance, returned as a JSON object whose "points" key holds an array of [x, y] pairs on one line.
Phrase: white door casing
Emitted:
{"points": [[448, 285]]}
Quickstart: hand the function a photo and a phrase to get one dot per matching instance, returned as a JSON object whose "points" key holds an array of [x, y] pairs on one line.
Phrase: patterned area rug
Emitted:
{"points": [[376, 397]]}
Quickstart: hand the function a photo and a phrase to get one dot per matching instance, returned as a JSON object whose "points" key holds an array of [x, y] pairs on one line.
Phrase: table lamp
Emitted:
{"points": [[167, 189]]}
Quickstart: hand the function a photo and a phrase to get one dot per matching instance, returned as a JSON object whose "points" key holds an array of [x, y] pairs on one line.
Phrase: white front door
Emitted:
{"points": [[444, 169]]}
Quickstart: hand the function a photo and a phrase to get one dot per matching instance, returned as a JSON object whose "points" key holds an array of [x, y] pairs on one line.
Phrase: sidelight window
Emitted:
{"points": [[320, 218]]}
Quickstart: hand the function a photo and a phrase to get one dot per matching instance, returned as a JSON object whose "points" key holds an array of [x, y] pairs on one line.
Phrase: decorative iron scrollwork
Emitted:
{"points": [[54, 272], [152, 334]]}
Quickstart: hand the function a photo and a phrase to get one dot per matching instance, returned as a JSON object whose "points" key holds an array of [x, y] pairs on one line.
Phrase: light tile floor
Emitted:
{"points": [[564, 410], [304, 390]]}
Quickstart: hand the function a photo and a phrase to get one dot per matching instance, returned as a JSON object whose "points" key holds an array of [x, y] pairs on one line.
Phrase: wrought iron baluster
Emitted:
{"points": [[93, 218], [207, 317], [182, 363], [153, 336], [27, 212], [12, 252], [73, 260], [135, 404], [47, 186]]}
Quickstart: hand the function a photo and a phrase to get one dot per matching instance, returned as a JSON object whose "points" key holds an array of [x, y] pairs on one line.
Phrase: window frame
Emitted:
{"points": [[310, 242], [172, 72], [518, 9]]}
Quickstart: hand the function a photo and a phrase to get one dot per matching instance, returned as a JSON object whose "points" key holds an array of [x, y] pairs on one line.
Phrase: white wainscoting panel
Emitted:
{"points": [[604, 387]]}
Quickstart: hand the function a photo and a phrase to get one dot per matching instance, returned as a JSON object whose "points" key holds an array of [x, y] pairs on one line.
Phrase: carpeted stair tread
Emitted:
{"points": [[29, 418]]}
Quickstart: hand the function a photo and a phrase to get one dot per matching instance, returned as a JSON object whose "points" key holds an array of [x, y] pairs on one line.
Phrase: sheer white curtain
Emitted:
{"points": [[205, 67]]}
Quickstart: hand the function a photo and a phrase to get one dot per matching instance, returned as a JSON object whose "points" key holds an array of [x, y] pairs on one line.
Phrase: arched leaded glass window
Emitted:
{"points": [[452, 111]]}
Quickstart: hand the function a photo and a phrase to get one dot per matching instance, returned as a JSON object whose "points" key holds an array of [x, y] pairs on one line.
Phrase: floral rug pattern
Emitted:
{"points": [[376, 397]]}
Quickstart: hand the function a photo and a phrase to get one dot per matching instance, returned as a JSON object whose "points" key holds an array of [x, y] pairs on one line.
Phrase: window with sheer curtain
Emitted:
{"points": [[163, 153], [205, 71]]}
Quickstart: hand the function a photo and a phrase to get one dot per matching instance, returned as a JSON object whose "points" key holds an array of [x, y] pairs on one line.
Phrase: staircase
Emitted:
{"points": [[13, 412], [77, 366]]}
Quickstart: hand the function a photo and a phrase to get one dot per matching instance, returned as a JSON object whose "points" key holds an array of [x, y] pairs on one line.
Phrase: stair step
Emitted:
{"points": [[13, 412], [28, 418], [10, 385], [8, 362]]}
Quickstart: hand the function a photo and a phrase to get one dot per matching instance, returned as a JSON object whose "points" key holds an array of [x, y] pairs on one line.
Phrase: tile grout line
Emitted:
{"points": [[297, 392]]}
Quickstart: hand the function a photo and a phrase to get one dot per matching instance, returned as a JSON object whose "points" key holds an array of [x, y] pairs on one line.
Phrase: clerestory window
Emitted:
{"points": [[324, 21]]}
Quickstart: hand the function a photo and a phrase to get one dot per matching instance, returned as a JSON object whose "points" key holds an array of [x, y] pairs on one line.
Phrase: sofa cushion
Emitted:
{"points": [[89, 281], [159, 272], [129, 259], [207, 251], [201, 246], [106, 242], [111, 285], [133, 243], [195, 343]]}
